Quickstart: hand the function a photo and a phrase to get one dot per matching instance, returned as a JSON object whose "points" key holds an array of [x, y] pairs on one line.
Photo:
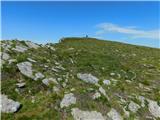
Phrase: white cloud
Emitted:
{"points": [[130, 30]]}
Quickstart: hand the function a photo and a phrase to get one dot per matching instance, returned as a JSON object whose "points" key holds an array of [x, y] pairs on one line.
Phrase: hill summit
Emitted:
{"points": [[79, 79]]}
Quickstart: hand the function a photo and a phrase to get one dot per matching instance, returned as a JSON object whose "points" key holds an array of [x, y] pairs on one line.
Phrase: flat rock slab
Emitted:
{"points": [[48, 81], [133, 107], [25, 68], [68, 100], [8, 105], [38, 75], [89, 78], [31, 44], [20, 48], [154, 108], [114, 115], [86, 115]]}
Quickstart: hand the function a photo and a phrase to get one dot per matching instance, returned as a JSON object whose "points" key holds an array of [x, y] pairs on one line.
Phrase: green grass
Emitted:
{"points": [[135, 63]]}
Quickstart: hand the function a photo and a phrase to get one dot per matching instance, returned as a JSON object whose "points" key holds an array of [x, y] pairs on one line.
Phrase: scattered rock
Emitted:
{"points": [[133, 107], [12, 61], [86, 115], [142, 99], [64, 84], [89, 78], [106, 82], [70, 48], [72, 89], [20, 85], [8, 105], [31, 60], [20, 48], [55, 70], [31, 44], [60, 67], [47, 81], [5, 56], [114, 115], [102, 91], [68, 100], [39, 75], [154, 108], [112, 74], [96, 95], [25, 68], [56, 89]]}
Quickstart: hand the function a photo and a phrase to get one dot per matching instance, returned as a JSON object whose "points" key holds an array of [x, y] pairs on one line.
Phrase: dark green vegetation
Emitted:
{"points": [[132, 65]]}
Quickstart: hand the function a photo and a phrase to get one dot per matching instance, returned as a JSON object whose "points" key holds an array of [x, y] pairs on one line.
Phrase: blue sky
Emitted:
{"points": [[42, 22]]}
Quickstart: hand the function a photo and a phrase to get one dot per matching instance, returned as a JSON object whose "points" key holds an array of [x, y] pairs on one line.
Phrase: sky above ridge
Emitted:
{"points": [[42, 22]]}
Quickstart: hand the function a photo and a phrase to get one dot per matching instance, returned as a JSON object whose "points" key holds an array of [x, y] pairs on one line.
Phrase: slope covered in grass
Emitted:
{"points": [[132, 71]]}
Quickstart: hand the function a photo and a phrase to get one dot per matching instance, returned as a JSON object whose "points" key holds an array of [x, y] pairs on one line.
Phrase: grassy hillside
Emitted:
{"points": [[132, 70]]}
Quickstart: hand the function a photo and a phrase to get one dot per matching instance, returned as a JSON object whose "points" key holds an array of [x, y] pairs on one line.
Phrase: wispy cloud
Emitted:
{"points": [[129, 30]]}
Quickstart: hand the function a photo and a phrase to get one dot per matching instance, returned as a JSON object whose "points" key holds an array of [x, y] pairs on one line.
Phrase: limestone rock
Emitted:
{"points": [[39, 75], [25, 68], [106, 82], [20, 48], [5, 56], [68, 100], [114, 115], [47, 81], [154, 108], [31, 44], [31, 60], [12, 61], [142, 99], [96, 95], [102, 91], [86, 115], [20, 85], [89, 78], [8, 105], [133, 107]]}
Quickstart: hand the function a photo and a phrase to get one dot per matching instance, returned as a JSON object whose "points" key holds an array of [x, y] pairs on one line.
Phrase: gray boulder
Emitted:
{"points": [[31, 44], [20, 48], [96, 95], [38, 75], [133, 107], [154, 108], [89, 78], [25, 68], [47, 81], [114, 115], [68, 100], [8, 105], [5, 56], [31, 60], [20, 85], [86, 115], [106, 82]]}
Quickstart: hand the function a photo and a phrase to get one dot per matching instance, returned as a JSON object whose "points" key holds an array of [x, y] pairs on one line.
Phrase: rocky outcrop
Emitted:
{"points": [[38, 75], [133, 107], [89, 78], [86, 115], [114, 115], [5, 56], [8, 105], [47, 81], [20, 48], [154, 108], [96, 95], [106, 82], [31, 44], [68, 100], [25, 68]]}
